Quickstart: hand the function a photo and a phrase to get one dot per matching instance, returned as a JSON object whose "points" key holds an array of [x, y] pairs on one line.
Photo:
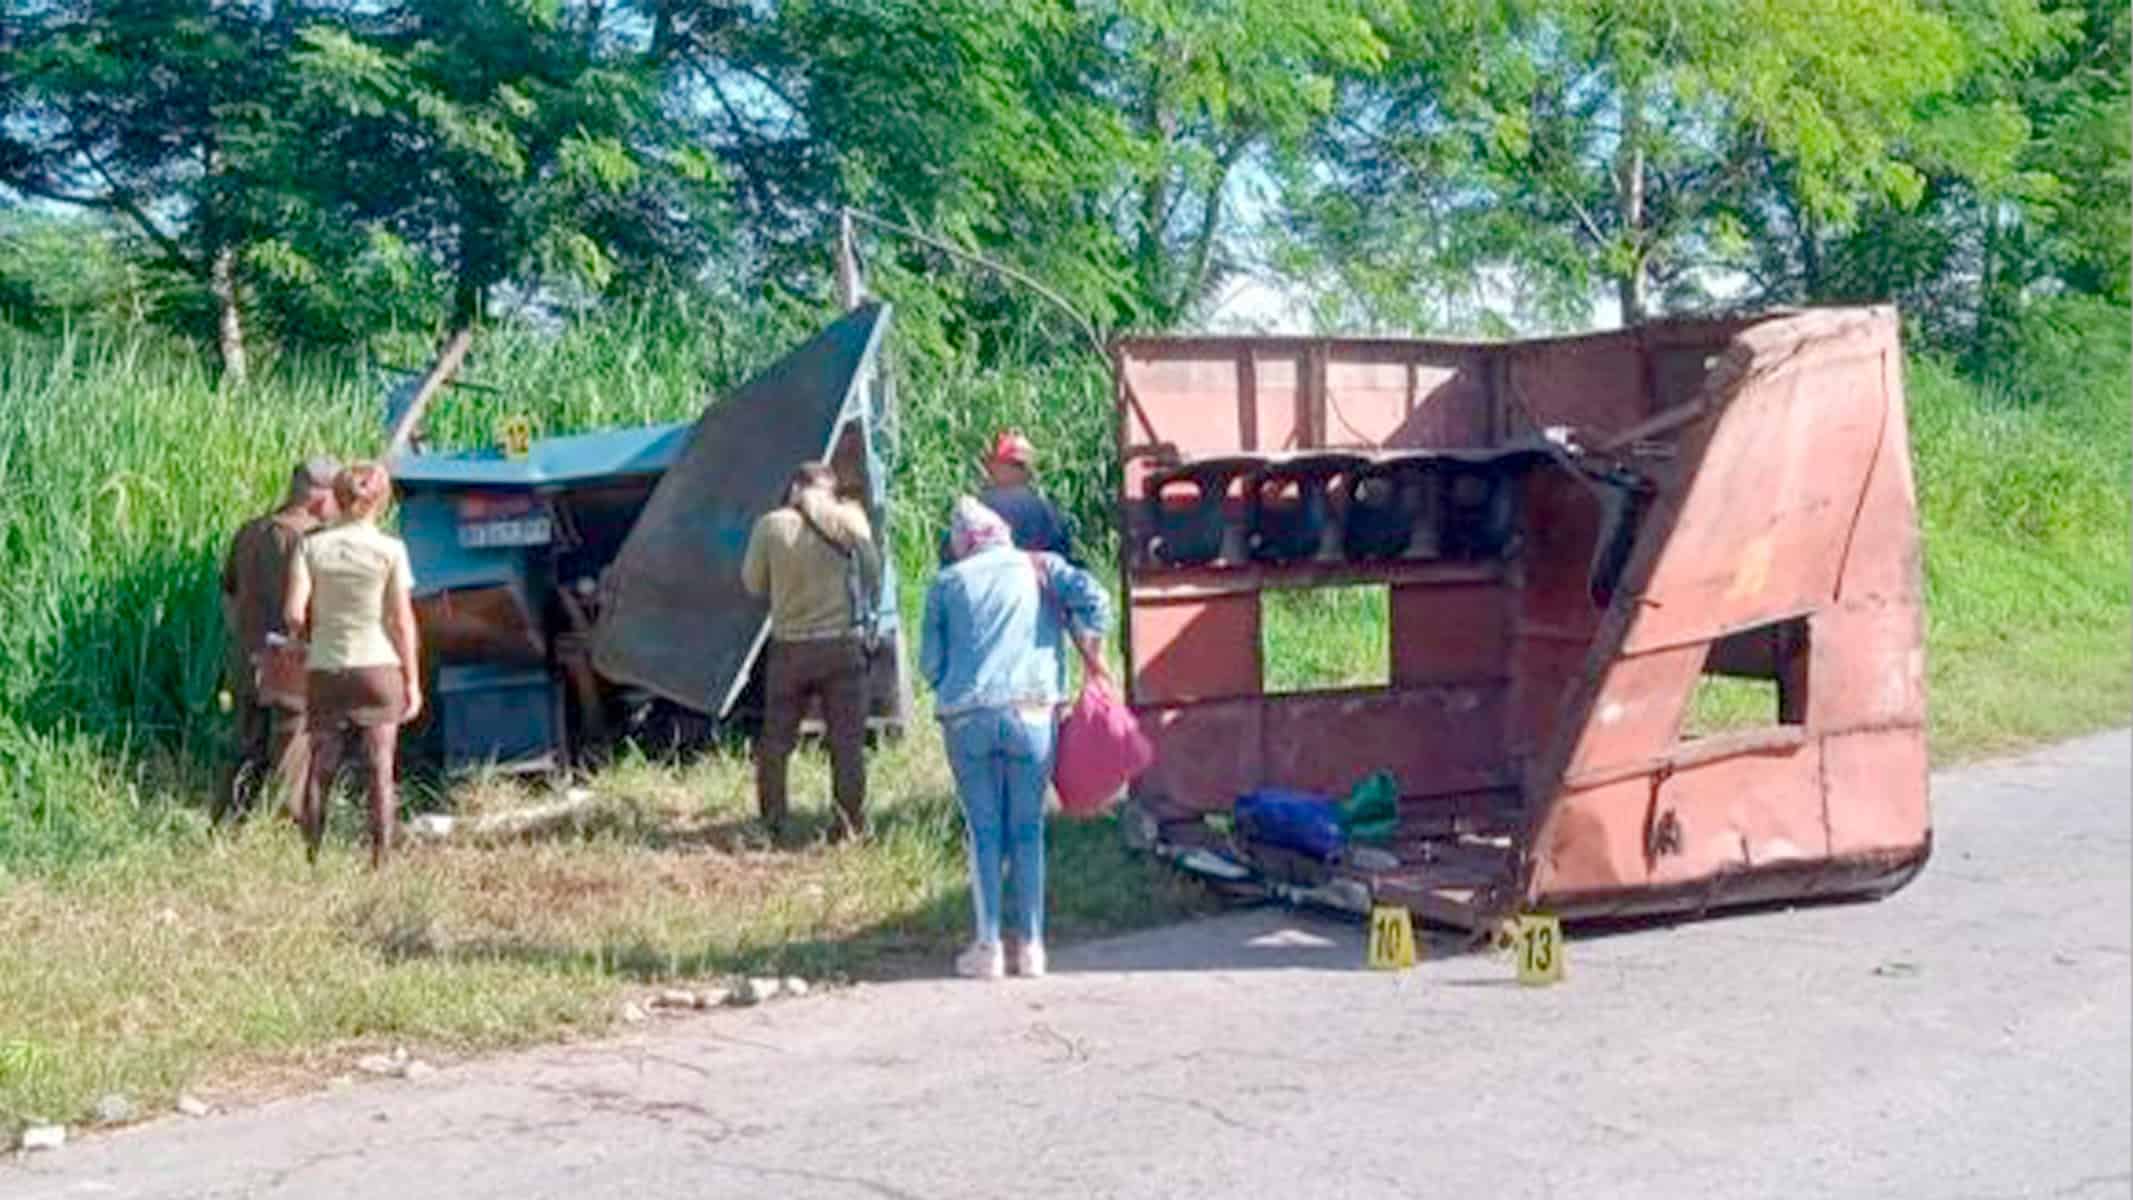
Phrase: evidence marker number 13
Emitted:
{"points": [[1536, 942]]}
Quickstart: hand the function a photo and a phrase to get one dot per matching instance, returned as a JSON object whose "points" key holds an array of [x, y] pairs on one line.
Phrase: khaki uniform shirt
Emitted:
{"points": [[255, 578], [349, 566], [803, 575]]}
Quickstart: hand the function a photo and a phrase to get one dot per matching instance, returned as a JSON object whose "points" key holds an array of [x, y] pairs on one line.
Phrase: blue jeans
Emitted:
{"points": [[1002, 760]]}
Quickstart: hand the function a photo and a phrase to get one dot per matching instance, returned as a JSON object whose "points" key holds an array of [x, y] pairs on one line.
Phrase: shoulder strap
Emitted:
{"points": [[809, 521], [863, 606]]}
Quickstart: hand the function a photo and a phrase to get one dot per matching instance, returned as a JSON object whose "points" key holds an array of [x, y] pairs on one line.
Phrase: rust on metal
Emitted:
{"points": [[1572, 533]]}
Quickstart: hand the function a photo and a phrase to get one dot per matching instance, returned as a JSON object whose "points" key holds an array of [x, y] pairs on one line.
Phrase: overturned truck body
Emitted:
{"points": [[1571, 534], [588, 587]]}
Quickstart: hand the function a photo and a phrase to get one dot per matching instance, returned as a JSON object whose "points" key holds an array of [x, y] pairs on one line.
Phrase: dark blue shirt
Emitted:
{"points": [[1036, 524]]}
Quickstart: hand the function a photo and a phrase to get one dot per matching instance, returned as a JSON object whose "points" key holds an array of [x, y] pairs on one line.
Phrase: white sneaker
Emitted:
{"points": [[1029, 960], [981, 960]]}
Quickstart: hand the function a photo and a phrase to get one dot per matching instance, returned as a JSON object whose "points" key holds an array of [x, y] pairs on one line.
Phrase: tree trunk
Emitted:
{"points": [[1629, 191], [466, 311], [1158, 126], [449, 356], [1985, 331], [229, 321]]}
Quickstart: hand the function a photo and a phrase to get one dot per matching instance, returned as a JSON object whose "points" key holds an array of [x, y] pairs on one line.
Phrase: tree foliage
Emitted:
{"points": [[330, 170]]}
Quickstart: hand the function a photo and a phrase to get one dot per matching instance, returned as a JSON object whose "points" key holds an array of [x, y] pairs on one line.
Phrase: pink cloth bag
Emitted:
{"points": [[1101, 748]]}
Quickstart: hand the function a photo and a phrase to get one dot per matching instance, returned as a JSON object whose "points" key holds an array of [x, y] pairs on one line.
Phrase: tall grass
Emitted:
{"points": [[2022, 488], [123, 469]]}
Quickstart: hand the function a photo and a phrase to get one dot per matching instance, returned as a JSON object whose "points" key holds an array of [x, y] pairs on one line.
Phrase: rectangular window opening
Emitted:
{"points": [[1754, 679], [1326, 639]]}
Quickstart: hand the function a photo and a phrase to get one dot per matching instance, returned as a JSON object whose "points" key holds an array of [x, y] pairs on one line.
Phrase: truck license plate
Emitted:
{"points": [[519, 531]]}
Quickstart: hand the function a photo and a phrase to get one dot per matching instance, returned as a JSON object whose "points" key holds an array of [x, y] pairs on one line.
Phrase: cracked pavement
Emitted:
{"points": [[1970, 1037]]}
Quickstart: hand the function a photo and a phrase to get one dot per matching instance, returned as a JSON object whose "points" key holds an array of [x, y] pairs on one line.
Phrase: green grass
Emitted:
{"points": [[2029, 567], [219, 965], [145, 956], [1326, 638]]}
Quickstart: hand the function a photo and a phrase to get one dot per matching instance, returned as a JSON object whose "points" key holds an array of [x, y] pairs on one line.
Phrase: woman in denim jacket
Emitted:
{"points": [[991, 650]]}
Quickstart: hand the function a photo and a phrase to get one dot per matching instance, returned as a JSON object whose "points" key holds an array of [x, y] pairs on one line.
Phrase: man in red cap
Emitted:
{"points": [[1036, 523]]}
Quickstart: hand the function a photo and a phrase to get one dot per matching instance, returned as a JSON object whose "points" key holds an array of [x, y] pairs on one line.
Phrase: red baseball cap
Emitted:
{"points": [[1011, 447]]}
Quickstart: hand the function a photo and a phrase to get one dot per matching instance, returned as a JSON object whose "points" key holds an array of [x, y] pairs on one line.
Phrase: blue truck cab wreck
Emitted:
{"points": [[588, 589]]}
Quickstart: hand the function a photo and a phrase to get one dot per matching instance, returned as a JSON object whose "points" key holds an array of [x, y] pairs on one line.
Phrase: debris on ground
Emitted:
{"points": [[674, 998], [190, 1105], [431, 825], [397, 1065], [633, 1014], [793, 986], [114, 1108], [43, 1137], [506, 823], [755, 991], [1370, 858]]}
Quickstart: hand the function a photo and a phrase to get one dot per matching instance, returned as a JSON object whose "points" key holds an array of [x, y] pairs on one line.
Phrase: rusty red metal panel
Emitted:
{"points": [[1555, 619], [1559, 534], [1793, 479], [1279, 400], [1738, 813], [1195, 649], [1595, 843], [1449, 633], [1775, 486], [1660, 830], [1545, 670], [1760, 533], [1876, 781], [1595, 383], [1636, 710], [1433, 739], [1210, 753], [1866, 667], [1416, 397], [1210, 399]]}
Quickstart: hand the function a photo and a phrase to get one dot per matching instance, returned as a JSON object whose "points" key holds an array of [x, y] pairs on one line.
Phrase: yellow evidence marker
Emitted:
{"points": [[1537, 940], [515, 435], [1392, 938]]}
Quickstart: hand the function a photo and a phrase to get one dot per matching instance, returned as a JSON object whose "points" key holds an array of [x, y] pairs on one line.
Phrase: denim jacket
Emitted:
{"points": [[991, 637]]}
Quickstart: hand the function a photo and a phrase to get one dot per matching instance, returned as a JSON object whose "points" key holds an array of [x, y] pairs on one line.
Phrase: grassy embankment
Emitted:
{"points": [[142, 956]]}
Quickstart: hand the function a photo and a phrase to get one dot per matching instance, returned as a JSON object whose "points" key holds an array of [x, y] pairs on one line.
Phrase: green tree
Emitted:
{"points": [[1590, 146], [142, 110], [2025, 196], [489, 143], [1098, 144]]}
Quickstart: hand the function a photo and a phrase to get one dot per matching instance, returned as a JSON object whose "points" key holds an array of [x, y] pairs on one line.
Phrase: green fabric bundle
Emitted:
{"points": [[1371, 813]]}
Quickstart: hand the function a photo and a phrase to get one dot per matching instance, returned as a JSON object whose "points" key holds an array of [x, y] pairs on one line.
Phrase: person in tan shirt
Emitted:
{"points": [[270, 730], [351, 595], [814, 559]]}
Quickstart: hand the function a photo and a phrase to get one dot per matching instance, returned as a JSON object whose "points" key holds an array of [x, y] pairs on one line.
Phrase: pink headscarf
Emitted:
{"points": [[973, 527]]}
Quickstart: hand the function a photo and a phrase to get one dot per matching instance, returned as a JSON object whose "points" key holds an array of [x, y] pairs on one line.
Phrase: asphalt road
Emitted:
{"points": [[1971, 1036]]}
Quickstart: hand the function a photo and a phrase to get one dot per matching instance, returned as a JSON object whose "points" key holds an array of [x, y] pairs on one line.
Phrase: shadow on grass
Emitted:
{"points": [[909, 945], [909, 929]]}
